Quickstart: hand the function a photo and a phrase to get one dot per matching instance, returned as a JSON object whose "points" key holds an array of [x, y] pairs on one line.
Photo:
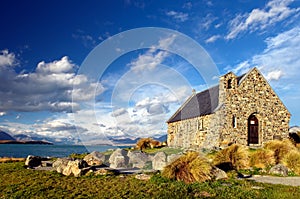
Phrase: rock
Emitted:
{"points": [[137, 159], [46, 163], [60, 164], [218, 174], [171, 158], [159, 161], [143, 177], [74, 167], [33, 161], [279, 169], [94, 158], [119, 159]]}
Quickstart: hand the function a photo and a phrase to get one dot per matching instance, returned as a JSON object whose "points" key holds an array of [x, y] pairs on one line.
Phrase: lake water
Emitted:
{"points": [[23, 150]]}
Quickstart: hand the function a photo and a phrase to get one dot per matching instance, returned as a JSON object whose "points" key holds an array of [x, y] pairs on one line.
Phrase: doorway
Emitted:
{"points": [[252, 130]]}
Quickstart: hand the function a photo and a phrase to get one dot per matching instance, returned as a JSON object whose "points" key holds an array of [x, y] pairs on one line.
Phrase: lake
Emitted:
{"points": [[23, 150]]}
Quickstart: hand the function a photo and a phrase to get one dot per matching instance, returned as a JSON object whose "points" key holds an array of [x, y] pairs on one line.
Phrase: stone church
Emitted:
{"points": [[240, 109]]}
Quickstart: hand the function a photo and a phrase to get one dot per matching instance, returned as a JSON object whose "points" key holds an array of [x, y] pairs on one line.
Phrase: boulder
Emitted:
{"points": [[143, 176], [218, 174], [137, 159], [279, 169], [33, 161], [95, 158], [159, 161], [60, 164], [119, 159], [75, 167], [171, 158]]}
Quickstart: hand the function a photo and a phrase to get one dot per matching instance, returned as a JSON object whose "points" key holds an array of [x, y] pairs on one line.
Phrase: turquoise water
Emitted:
{"points": [[23, 150]]}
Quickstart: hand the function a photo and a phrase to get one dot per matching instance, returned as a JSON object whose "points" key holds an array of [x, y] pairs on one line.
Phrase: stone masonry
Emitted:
{"points": [[243, 110]]}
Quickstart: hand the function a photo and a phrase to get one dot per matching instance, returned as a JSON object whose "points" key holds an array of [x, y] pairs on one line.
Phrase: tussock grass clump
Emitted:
{"points": [[145, 143], [233, 157], [191, 167], [262, 158], [292, 161], [280, 148]]}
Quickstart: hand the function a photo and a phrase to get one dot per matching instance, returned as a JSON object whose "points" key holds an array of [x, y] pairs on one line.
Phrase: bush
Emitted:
{"points": [[233, 157], [189, 168], [292, 161], [280, 148], [262, 158], [145, 143]]}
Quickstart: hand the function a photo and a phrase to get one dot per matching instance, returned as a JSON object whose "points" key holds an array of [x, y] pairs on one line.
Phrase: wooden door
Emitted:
{"points": [[252, 130]]}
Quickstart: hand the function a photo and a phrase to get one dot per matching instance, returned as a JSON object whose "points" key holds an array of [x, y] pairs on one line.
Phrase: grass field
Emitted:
{"points": [[18, 182]]}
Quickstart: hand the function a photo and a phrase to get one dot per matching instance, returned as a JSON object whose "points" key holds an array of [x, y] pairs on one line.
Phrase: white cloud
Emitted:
{"points": [[178, 16], [207, 21], [49, 87], [259, 19], [212, 38], [274, 75], [7, 59], [153, 57], [2, 113]]}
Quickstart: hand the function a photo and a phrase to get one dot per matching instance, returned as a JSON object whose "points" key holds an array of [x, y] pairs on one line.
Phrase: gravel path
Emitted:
{"points": [[292, 181]]}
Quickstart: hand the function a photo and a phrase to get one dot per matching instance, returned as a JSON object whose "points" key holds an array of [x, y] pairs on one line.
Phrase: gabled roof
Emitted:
{"points": [[203, 103], [199, 104]]}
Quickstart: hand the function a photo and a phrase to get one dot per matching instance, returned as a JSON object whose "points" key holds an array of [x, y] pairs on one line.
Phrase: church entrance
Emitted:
{"points": [[252, 130]]}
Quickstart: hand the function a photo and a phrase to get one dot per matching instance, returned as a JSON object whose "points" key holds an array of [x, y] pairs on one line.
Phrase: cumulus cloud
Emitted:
{"points": [[7, 58], [274, 75], [49, 87], [259, 19], [178, 16]]}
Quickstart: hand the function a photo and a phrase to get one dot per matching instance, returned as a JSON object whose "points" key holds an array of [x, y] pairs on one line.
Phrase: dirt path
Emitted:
{"points": [[292, 181]]}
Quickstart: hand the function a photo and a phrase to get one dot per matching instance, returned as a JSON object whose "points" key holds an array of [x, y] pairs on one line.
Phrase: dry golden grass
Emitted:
{"points": [[292, 161], [262, 158], [6, 159], [189, 168], [235, 155], [280, 148], [145, 143]]}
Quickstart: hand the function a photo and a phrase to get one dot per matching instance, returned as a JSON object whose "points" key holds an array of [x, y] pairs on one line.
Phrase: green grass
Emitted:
{"points": [[18, 182]]}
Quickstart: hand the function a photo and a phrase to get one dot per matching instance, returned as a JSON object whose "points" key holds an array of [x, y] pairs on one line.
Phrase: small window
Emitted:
{"points": [[233, 121], [200, 124], [229, 84]]}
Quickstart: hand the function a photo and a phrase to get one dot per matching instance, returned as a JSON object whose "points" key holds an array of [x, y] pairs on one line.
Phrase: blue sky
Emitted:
{"points": [[46, 48]]}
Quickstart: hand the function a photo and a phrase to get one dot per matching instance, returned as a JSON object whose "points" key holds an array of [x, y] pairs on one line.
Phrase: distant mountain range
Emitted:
{"points": [[5, 138], [23, 138]]}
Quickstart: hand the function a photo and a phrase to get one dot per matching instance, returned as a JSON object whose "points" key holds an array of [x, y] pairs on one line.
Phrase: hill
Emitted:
{"points": [[5, 136]]}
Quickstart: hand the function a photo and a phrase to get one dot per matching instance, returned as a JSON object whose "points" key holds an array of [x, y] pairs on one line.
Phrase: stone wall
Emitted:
{"points": [[253, 96], [238, 100]]}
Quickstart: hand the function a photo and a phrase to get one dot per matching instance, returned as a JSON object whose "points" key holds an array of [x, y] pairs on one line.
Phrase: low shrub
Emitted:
{"points": [[292, 161], [145, 143], [191, 167], [233, 157], [280, 148], [262, 158]]}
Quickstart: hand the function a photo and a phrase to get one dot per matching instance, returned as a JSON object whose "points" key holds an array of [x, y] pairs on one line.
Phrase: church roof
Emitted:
{"points": [[202, 103]]}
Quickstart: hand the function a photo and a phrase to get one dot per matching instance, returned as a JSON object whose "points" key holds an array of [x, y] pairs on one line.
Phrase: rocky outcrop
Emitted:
{"points": [[279, 169], [33, 161], [218, 174], [159, 161], [119, 159], [137, 159], [95, 158], [60, 164], [75, 167]]}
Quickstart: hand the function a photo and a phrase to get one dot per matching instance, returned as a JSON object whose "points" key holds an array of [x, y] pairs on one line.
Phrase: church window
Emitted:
{"points": [[229, 84], [234, 121]]}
